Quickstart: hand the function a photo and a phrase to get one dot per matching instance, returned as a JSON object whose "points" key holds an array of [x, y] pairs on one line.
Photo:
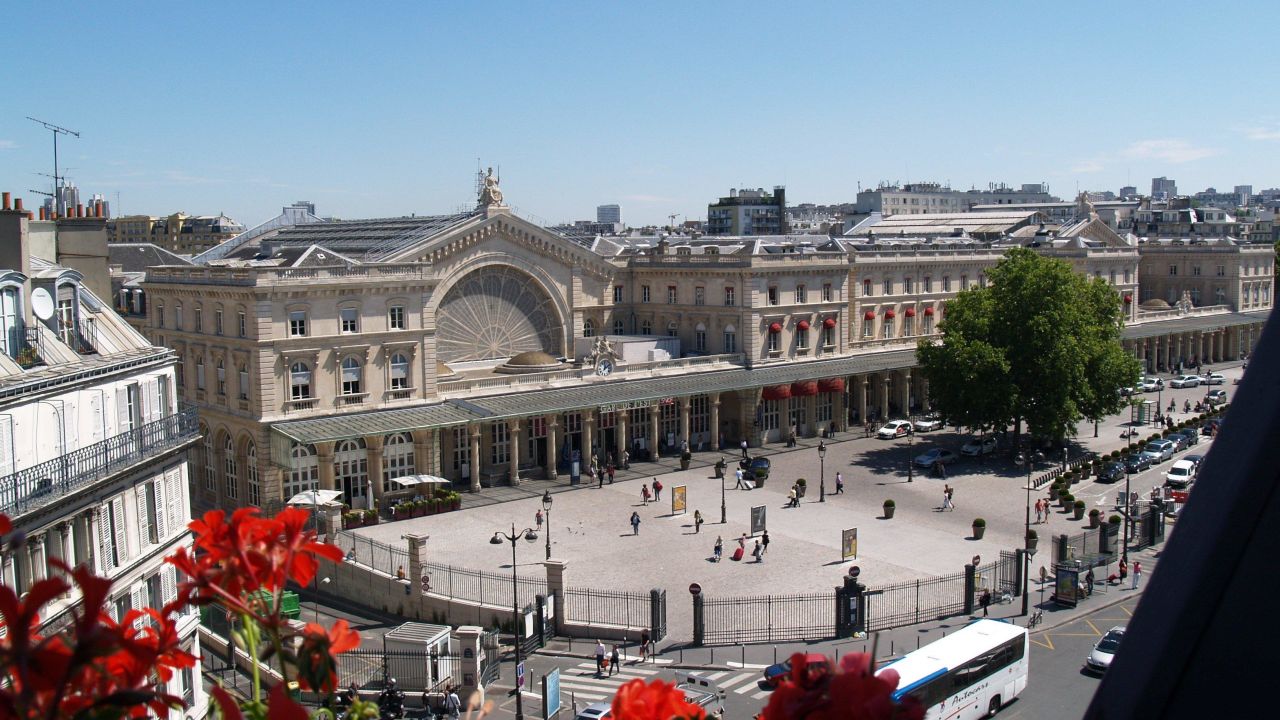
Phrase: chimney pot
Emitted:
{"points": [[7, 198], [97, 209], [79, 210], [30, 216], [17, 204], [41, 212]]}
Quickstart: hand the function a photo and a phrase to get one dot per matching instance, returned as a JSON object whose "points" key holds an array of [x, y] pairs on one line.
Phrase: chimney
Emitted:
{"points": [[42, 212], [17, 204], [97, 208], [79, 210], [30, 216], [7, 198]]}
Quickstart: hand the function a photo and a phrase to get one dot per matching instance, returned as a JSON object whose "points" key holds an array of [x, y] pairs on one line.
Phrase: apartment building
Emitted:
{"points": [[178, 233]]}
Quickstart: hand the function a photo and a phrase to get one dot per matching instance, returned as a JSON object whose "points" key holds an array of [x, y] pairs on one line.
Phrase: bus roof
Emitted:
{"points": [[957, 648]]}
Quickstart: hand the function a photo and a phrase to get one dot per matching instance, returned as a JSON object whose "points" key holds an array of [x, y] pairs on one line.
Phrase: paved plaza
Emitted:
{"points": [[590, 531]]}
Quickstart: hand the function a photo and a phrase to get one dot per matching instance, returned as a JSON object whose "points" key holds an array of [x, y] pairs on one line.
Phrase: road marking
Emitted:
{"points": [[579, 693], [761, 695], [1047, 644], [623, 670], [746, 666], [735, 680], [715, 675], [600, 680], [1092, 626], [1127, 611], [746, 689]]}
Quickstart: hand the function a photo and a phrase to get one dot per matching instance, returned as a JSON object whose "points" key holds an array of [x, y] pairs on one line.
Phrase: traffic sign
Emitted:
{"points": [[855, 571], [694, 588], [520, 675]]}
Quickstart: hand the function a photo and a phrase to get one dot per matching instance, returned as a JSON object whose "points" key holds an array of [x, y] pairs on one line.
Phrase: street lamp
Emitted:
{"points": [[724, 518], [911, 443], [1026, 535], [546, 505], [497, 539], [822, 471]]}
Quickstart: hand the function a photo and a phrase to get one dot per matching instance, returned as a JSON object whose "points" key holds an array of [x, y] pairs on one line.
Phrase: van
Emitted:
{"points": [[1180, 474], [1162, 449], [702, 691]]}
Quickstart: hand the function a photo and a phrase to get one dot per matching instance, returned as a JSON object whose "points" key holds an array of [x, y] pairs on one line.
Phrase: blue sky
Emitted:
{"points": [[375, 109]]}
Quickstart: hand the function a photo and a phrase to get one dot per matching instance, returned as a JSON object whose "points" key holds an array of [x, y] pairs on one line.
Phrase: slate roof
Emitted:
{"points": [[137, 257]]}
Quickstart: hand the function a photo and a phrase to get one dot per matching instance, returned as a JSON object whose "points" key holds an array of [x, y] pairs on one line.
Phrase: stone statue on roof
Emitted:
{"points": [[1084, 207], [490, 194]]}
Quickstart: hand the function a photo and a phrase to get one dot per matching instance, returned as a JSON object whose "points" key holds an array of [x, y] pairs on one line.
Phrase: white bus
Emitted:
{"points": [[968, 674]]}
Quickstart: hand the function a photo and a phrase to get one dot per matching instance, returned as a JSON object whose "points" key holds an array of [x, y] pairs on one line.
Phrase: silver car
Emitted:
{"points": [[1105, 650], [1185, 381]]}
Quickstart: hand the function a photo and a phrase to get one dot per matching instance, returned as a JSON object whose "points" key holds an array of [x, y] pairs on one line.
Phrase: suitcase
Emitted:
{"points": [[737, 554]]}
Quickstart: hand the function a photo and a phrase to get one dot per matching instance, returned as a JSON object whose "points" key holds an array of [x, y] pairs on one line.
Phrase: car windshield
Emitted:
{"points": [[1110, 643]]}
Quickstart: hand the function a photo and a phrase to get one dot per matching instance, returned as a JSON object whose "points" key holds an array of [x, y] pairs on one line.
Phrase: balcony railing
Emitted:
{"points": [[36, 486], [31, 349]]}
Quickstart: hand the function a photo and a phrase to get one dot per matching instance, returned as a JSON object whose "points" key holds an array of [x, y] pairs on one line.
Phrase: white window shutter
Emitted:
{"points": [[121, 536], [174, 492], [6, 445], [138, 601], [103, 520], [144, 522], [161, 508], [124, 422], [169, 583], [96, 419]]}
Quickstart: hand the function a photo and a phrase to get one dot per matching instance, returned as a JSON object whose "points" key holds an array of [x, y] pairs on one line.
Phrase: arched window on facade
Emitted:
{"points": [[251, 460], [730, 339], [588, 328], [304, 471], [617, 326], [230, 472], [210, 469], [352, 375], [397, 457], [351, 472]]}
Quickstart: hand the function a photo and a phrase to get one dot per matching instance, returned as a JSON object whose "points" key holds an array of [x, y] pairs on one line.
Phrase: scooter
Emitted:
{"points": [[391, 702]]}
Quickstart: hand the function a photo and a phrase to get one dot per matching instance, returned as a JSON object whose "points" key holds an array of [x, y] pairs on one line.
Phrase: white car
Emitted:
{"points": [[979, 446], [1150, 384], [894, 429], [1213, 379], [1100, 657], [927, 423], [1180, 474], [933, 456], [1185, 381]]}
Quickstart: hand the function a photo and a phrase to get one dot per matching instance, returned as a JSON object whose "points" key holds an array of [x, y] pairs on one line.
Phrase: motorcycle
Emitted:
{"points": [[391, 702]]}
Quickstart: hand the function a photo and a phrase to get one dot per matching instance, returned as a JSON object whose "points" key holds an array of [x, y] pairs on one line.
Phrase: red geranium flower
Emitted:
{"points": [[657, 700], [852, 693], [317, 657]]}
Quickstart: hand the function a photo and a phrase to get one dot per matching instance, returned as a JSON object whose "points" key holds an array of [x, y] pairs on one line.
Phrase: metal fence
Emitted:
{"points": [[616, 608], [915, 601], [371, 553], [768, 618], [483, 588], [414, 671]]}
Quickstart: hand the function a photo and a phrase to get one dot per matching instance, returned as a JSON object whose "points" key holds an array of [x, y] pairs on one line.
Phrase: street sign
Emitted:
{"points": [[694, 588], [855, 571], [849, 544], [426, 583], [520, 675], [551, 694]]}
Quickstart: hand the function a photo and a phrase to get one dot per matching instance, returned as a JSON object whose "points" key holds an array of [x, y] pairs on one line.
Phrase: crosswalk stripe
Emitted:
{"points": [[724, 684], [716, 675], [593, 693], [745, 689], [625, 669], [595, 681], [760, 695], [746, 666]]}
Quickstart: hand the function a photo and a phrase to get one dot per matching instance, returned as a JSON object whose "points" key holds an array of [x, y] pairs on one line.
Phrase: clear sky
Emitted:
{"points": [[376, 109]]}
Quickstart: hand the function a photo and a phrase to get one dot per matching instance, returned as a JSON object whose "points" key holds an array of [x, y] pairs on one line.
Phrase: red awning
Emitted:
{"points": [[890, 314], [830, 322], [928, 311], [777, 392], [802, 325], [775, 327], [804, 388], [911, 312], [870, 315], [831, 385]]}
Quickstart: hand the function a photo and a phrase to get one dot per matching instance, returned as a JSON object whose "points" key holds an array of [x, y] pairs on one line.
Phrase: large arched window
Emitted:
{"points": [[351, 470], [588, 328], [299, 381], [399, 371], [352, 374], [730, 339], [304, 471], [210, 468], [397, 457], [617, 326], [251, 460], [230, 472]]}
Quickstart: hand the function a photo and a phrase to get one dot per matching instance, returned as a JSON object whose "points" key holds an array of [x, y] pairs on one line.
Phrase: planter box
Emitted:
{"points": [[1053, 492], [888, 511], [979, 531], [1079, 513], [456, 504], [1095, 521]]}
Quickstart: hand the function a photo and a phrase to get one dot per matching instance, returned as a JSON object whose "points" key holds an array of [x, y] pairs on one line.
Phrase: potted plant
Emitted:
{"points": [[1066, 498], [979, 528], [352, 519], [455, 501], [1078, 506], [371, 517], [685, 457], [888, 507], [1032, 538], [801, 485], [1114, 519], [1095, 518], [1054, 489]]}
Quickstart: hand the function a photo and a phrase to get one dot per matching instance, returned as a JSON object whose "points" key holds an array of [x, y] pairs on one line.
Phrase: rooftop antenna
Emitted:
{"points": [[59, 205]]}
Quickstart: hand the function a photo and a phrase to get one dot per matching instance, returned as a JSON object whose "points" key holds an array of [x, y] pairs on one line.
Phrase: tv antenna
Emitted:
{"points": [[58, 204]]}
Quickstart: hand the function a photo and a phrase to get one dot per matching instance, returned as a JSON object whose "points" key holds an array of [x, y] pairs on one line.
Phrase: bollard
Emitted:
{"points": [[837, 656], [891, 647], [681, 654], [917, 642], [775, 654], [713, 655], [744, 654]]}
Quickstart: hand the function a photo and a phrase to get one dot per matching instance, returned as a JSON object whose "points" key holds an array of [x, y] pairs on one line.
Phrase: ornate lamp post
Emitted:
{"points": [[822, 471], [497, 539], [911, 443], [546, 506], [1026, 533], [723, 516]]}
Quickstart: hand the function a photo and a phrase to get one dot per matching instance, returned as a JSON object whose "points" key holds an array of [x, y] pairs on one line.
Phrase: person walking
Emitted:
{"points": [[599, 476], [537, 518], [635, 523], [764, 543], [839, 483], [947, 504], [657, 490], [599, 657], [1124, 570], [742, 480], [644, 645], [792, 499], [718, 551], [609, 470], [452, 703], [626, 460], [986, 601], [1137, 574], [744, 448], [757, 553], [615, 659], [1088, 581], [644, 494], [697, 521]]}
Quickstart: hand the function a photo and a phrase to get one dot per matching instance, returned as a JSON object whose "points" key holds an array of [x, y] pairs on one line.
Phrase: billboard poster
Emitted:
{"points": [[849, 544], [757, 520]]}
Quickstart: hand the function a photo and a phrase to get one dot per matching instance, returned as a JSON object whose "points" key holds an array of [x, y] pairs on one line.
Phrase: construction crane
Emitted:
{"points": [[671, 220], [58, 205]]}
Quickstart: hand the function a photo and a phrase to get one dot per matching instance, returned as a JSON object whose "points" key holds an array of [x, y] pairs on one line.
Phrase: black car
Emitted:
{"points": [[756, 468], [1111, 472], [1193, 437], [1179, 441], [1137, 462], [1212, 427]]}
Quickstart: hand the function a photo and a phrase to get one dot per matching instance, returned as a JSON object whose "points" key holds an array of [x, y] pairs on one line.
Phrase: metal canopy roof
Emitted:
{"points": [[545, 402], [1196, 323]]}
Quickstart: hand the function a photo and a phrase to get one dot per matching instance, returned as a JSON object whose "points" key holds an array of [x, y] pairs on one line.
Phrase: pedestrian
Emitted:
{"points": [[744, 448], [537, 517], [1137, 574], [742, 542], [599, 657], [697, 521], [942, 469], [718, 550], [986, 601], [948, 492], [741, 483], [644, 645], [757, 553], [452, 703], [1088, 581], [764, 542], [657, 490], [839, 483], [644, 494], [1039, 510], [635, 523], [610, 469], [599, 476], [684, 447], [615, 659], [792, 499], [626, 460], [1124, 570]]}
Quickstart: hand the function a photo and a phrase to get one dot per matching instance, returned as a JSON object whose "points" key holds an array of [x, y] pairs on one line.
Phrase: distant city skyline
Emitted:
{"points": [[242, 108]]}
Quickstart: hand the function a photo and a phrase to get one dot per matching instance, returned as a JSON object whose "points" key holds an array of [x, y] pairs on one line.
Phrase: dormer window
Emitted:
{"points": [[11, 320]]}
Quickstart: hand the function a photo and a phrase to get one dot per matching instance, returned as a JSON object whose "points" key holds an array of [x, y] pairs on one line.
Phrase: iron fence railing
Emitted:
{"points": [[617, 608], [42, 484], [915, 601], [769, 618]]}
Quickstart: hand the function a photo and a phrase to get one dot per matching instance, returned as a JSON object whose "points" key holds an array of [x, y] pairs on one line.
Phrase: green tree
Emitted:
{"points": [[1040, 344]]}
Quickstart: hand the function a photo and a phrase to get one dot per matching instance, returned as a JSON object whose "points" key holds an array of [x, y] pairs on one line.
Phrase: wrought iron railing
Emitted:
{"points": [[39, 485], [30, 349]]}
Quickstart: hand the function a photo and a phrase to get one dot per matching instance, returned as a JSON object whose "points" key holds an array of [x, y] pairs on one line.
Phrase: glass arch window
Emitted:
{"points": [[230, 472], [351, 471], [397, 457], [251, 461], [304, 471]]}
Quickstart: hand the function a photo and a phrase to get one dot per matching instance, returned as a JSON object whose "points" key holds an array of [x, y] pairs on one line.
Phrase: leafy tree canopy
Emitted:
{"points": [[1040, 343]]}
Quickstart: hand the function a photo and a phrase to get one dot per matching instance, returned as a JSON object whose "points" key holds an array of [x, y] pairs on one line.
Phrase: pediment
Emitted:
{"points": [[1098, 231]]}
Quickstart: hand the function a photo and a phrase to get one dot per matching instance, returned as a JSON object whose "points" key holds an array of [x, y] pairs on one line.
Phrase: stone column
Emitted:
{"points": [[553, 446], [884, 397], [588, 437], [37, 558], [620, 434], [684, 420], [373, 451], [423, 455], [715, 421], [324, 464], [417, 559], [514, 433], [469, 645], [861, 391], [655, 413], [1220, 343], [839, 414], [25, 571], [905, 392], [475, 456], [90, 542], [555, 587]]}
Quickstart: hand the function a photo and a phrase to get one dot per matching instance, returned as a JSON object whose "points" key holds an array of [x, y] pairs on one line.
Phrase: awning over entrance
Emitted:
{"points": [[1192, 323]]}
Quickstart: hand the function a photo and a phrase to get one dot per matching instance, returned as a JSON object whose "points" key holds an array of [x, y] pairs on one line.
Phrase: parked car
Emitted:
{"points": [[1192, 437], [1180, 474], [1100, 657], [1137, 462], [757, 468], [814, 662], [1213, 379], [894, 429], [1212, 427], [927, 423], [1129, 391], [1178, 440], [596, 711], [932, 456], [1217, 397], [1111, 472], [1196, 459], [1151, 384], [979, 446], [1185, 381], [1163, 449]]}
